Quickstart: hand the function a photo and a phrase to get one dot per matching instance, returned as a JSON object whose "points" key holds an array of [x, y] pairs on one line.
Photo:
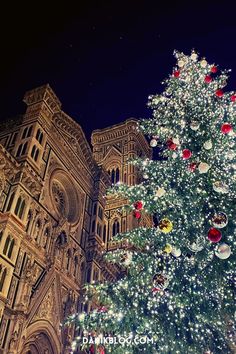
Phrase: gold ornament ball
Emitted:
{"points": [[181, 63], [203, 167], [203, 63], [160, 192], [207, 145], [223, 251], [194, 56], [176, 252], [165, 225], [194, 125], [168, 248]]}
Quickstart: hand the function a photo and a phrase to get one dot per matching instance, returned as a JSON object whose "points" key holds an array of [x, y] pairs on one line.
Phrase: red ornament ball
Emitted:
{"points": [[176, 73], [219, 93], [226, 128], [172, 146], [92, 349], [208, 79], [214, 69], [192, 166], [101, 350], [137, 214], [138, 205], [186, 154], [214, 235], [233, 98]]}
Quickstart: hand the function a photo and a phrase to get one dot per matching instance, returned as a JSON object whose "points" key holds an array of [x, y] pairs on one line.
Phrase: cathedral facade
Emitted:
{"points": [[55, 221]]}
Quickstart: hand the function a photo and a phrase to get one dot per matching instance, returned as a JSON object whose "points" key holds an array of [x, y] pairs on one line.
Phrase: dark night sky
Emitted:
{"points": [[104, 58]]}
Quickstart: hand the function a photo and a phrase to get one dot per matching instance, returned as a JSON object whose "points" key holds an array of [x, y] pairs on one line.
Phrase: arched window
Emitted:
{"points": [[113, 176], [115, 227], [33, 151], [37, 230], [3, 273], [10, 201], [6, 246], [20, 207], [12, 244], [46, 237], [29, 218], [117, 175], [99, 229], [68, 255], [61, 239], [36, 155], [24, 133], [24, 148], [29, 132], [95, 209], [88, 275], [76, 261], [93, 226], [19, 150], [18, 204], [39, 136], [104, 233]]}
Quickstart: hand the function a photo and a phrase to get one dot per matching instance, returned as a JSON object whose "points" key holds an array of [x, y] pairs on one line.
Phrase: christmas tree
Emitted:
{"points": [[177, 294]]}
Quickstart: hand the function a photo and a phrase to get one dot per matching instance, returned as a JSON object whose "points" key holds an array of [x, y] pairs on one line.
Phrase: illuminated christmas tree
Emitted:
{"points": [[178, 292]]}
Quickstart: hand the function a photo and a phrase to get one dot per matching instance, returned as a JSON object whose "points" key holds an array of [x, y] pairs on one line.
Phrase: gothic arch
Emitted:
{"points": [[41, 337]]}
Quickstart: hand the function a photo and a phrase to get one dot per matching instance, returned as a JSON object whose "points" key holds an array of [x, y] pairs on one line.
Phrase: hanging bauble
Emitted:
{"points": [[207, 145], [160, 281], [181, 63], [92, 349], [223, 251], [230, 155], [153, 143], [137, 214], [101, 350], [138, 205], [176, 73], [174, 155], [214, 69], [167, 248], [197, 245], [175, 141], [126, 258], [220, 187], [145, 176], [203, 167], [226, 128], [219, 93], [219, 220], [186, 154], [203, 63], [233, 98], [194, 56], [176, 252], [194, 125], [192, 166], [208, 79], [160, 192], [165, 225], [214, 235], [172, 146]]}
